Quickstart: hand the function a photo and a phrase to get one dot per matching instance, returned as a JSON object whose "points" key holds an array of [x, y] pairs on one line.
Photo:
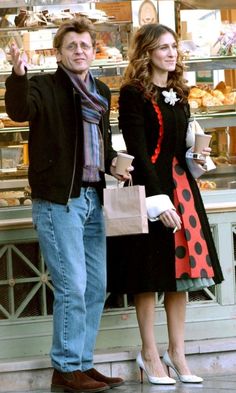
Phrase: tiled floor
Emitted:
{"points": [[216, 384]]}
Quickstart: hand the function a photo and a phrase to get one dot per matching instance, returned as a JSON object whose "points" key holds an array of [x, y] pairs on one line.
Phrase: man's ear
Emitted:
{"points": [[57, 54]]}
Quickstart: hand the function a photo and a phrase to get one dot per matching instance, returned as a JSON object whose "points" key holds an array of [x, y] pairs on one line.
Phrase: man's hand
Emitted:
{"points": [[18, 60]]}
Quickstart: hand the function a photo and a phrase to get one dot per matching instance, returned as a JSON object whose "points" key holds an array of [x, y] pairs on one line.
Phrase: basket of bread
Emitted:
{"points": [[205, 99], [16, 197]]}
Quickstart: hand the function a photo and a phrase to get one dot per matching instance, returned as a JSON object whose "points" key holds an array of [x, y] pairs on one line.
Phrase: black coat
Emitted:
{"points": [[53, 108], [142, 263]]}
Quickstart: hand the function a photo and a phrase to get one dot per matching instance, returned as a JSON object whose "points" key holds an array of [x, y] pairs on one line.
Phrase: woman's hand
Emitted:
{"points": [[171, 219], [205, 153], [125, 177], [18, 60]]}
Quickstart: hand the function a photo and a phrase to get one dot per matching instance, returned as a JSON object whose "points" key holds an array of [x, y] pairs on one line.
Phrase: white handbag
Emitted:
{"points": [[193, 128]]}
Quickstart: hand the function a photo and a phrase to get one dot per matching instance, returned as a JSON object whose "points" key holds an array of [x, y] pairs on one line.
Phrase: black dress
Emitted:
{"points": [[155, 133]]}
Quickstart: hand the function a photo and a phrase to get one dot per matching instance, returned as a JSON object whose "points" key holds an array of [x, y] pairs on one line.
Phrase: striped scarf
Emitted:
{"points": [[93, 107]]}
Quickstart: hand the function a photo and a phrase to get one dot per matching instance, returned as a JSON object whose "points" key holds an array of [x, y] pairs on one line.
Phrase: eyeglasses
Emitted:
{"points": [[73, 46]]}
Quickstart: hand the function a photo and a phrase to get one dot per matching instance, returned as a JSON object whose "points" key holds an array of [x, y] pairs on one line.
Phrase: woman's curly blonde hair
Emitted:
{"points": [[139, 70]]}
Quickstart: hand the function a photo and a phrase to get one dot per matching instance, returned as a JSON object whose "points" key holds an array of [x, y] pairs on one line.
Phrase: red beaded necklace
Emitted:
{"points": [[161, 132]]}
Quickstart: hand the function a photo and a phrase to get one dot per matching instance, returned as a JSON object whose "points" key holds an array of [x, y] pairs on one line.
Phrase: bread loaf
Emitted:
{"points": [[206, 97], [10, 123]]}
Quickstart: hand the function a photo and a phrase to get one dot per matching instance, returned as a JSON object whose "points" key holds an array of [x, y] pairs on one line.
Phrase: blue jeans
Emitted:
{"points": [[73, 246]]}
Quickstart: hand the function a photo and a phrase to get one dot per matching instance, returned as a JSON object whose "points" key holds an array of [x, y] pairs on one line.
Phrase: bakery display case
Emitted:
{"points": [[214, 107], [217, 120], [32, 27], [211, 59]]}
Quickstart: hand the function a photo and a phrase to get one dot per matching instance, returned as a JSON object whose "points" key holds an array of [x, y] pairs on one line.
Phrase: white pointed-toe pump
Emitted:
{"points": [[152, 379], [188, 378]]}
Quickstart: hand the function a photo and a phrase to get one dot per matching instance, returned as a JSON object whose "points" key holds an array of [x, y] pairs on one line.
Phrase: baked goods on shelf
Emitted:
{"points": [[11, 198], [3, 202], [27, 18], [7, 122], [96, 15], [15, 198], [223, 87], [27, 202], [206, 185], [221, 160], [201, 97], [114, 82], [114, 102], [107, 52], [2, 91]]}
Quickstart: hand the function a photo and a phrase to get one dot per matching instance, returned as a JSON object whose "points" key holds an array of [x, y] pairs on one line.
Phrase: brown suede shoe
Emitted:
{"points": [[112, 382], [75, 382]]}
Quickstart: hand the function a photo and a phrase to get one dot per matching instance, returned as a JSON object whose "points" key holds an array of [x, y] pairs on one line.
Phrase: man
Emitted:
{"points": [[69, 151]]}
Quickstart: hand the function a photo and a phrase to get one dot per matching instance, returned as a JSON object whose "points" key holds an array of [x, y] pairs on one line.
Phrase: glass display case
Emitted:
{"points": [[35, 39], [220, 122]]}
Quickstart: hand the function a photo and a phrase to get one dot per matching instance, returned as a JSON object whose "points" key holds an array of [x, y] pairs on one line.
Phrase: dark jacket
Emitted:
{"points": [[53, 108]]}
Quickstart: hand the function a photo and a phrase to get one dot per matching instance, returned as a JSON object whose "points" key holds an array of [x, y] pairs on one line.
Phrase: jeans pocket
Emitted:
{"points": [[36, 209]]}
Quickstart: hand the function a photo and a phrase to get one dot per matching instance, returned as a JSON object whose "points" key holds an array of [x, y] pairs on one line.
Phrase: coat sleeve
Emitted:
{"points": [[21, 97]]}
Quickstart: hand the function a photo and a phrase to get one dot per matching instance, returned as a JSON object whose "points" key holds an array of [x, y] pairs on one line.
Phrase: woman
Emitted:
{"points": [[178, 254]]}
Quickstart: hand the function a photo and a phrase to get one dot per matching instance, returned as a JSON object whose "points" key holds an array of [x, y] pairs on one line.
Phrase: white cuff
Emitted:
{"points": [[209, 164], [157, 204]]}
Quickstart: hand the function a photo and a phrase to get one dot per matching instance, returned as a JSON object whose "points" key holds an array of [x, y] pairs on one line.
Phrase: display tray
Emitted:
{"points": [[214, 109], [18, 173], [221, 178], [15, 197]]}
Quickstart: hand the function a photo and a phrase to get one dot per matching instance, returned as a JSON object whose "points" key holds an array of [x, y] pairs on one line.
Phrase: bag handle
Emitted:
{"points": [[120, 183]]}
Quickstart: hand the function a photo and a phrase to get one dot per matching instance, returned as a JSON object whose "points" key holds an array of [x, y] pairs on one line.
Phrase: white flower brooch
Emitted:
{"points": [[170, 97]]}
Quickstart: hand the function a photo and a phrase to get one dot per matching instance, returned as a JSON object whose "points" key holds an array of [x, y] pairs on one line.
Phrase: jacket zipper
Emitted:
{"points": [[75, 155]]}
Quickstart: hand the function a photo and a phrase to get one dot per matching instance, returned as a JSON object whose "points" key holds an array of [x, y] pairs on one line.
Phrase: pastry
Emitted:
{"points": [[13, 202], [218, 94], [206, 185], [220, 160], [27, 202], [3, 202], [209, 100], [196, 92], [230, 98], [194, 103], [10, 123], [223, 87]]}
